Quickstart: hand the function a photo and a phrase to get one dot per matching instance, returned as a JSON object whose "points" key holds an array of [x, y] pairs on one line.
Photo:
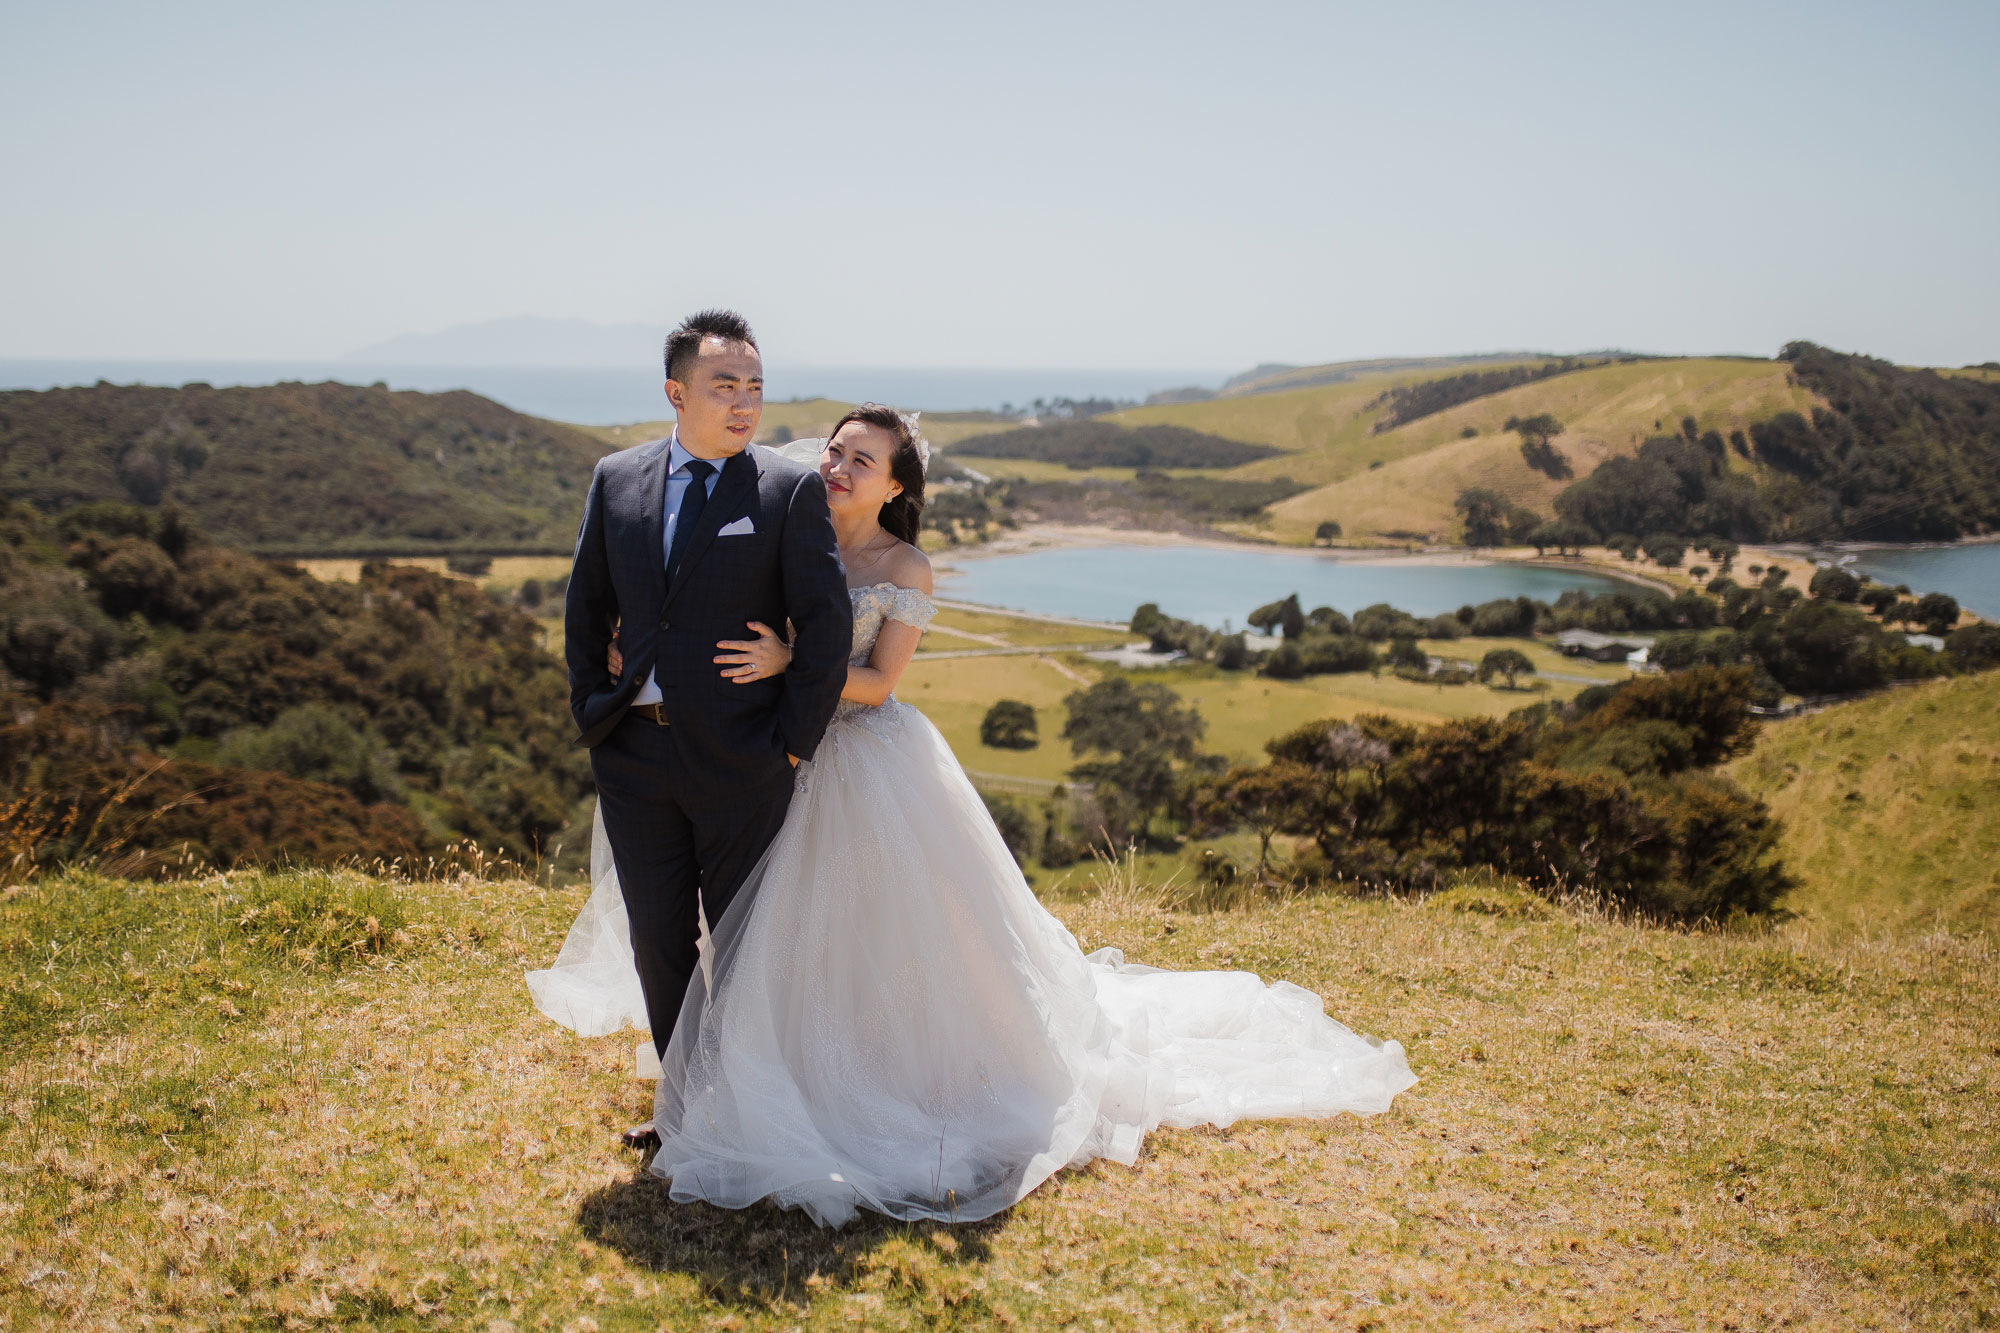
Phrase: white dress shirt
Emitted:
{"points": [[678, 478]]}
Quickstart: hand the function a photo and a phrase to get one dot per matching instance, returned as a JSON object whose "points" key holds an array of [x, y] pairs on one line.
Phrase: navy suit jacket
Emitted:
{"points": [[786, 568]]}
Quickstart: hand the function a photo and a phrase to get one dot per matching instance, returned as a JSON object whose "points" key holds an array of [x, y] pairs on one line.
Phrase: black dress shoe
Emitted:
{"points": [[642, 1137]]}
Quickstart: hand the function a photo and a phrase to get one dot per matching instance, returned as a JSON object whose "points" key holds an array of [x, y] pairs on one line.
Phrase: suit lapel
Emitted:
{"points": [[653, 510], [739, 477]]}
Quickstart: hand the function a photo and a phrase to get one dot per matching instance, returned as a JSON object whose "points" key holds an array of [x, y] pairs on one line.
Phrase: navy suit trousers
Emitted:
{"points": [[673, 838]]}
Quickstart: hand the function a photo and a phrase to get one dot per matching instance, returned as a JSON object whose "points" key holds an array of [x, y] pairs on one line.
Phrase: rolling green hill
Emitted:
{"points": [[1404, 480], [1891, 806], [307, 469]]}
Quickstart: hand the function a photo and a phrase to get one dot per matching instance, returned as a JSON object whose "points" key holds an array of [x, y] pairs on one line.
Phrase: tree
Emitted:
{"points": [[1937, 612], [1016, 829], [1285, 615], [1722, 551], [1326, 531], [1664, 549], [1624, 543], [1536, 432], [1508, 662], [1520, 522], [1143, 731], [1834, 584], [1406, 655], [1485, 516], [1976, 647], [1566, 535], [1009, 725], [1264, 800]]}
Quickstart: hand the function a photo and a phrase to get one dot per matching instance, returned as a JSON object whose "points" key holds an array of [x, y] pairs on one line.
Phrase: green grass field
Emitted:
{"points": [[1891, 806], [1243, 710], [302, 1100], [1010, 631]]}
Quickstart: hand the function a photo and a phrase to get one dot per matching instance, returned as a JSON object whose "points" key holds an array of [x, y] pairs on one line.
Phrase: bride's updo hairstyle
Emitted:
{"points": [[902, 517]]}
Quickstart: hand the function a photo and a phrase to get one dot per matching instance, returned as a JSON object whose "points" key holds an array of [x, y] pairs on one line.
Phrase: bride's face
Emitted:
{"points": [[855, 464]]}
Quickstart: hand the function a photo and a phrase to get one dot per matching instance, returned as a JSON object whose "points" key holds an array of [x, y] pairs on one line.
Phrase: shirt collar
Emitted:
{"points": [[678, 458]]}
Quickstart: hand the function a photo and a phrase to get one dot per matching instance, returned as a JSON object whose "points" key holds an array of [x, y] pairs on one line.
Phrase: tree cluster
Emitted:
{"points": [[1152, 499], [1088, 443], [1675, 485], [1490, 520], [1897, 455], [1614, 793], [398, 713], [1411, 402], [303, 469]]}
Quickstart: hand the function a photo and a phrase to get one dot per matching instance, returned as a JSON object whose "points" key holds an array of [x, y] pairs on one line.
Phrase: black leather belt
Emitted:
{"points": [[656, 713]]}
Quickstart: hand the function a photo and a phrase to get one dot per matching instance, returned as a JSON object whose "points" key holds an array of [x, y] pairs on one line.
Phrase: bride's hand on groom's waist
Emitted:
{"points": [[745, 660]]}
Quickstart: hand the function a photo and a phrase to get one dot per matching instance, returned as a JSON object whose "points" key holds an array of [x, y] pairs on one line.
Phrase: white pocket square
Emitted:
{"points": [[742, 527]]}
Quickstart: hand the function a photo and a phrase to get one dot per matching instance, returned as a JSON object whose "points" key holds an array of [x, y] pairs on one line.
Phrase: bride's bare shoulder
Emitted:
{"points": [[908, 567]]}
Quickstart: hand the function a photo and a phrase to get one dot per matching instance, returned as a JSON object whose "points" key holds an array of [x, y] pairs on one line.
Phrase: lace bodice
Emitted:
{"points": [[881, 602]]}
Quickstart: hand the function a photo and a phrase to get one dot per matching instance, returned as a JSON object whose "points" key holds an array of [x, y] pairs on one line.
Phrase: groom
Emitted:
{"points": [[684, 541]]}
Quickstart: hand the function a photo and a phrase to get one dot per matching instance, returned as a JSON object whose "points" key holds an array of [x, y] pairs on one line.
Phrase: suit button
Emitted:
{"points": [[664, 623]]}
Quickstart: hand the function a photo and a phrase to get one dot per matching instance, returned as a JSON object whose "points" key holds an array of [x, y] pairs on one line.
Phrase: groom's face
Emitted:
{"points": [[718, 405]]}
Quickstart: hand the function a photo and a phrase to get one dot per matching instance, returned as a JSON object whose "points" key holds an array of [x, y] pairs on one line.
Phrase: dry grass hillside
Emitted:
{"points": [[305, 1100], [802, 417], [1324, 426], [1404, 480], [1891, 806]]}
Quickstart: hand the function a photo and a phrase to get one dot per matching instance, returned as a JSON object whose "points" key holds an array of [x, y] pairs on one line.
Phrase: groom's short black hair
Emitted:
{"points": [[684, 343]]}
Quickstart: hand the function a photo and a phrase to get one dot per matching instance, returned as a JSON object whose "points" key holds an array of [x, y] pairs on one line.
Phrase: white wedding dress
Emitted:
{"points": [[887, 1018]]}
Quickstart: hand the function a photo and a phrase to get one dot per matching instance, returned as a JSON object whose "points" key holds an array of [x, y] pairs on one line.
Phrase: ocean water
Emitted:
{"points": [[1218, 586], [1971, 572], [594, 396]]}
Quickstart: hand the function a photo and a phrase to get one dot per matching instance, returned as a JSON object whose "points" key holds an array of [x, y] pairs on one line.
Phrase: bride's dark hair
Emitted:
{"points": [[902, 517]]}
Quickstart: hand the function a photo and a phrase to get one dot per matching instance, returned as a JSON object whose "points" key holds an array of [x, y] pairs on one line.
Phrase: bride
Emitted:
{"points": [[886, 1017]]}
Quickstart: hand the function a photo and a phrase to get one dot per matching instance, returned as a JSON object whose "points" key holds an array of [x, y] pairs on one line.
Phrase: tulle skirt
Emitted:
{"points": [[887, 1018]]}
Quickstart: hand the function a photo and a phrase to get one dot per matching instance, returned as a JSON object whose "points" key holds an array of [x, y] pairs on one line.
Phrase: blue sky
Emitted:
{"points": [[1006, 185]]}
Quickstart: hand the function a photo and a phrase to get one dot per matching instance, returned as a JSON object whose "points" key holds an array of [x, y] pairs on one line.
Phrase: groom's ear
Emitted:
{"points": [[676, 391]]}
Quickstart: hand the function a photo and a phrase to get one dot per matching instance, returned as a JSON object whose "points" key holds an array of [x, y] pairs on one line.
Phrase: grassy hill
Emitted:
{"points": [[304, 1099], [1278, 379], [1404, 480], [803, 417], [315, 469], [1891, 806]]}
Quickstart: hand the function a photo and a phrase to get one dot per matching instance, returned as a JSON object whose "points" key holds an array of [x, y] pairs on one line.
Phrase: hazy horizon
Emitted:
{"points": [[1037, 187]]}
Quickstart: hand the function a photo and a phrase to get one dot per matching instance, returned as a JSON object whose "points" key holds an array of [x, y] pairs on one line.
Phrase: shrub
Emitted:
{"points": [[1009, 725], [1017, 830], [1975, 647], [316, 743], [1834, 584], [1937, 612], [1508, 662]]}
